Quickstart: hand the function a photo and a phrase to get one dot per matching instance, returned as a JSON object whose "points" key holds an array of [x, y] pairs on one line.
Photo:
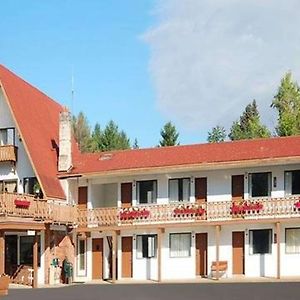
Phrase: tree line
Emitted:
{"points": [[286, 102]]}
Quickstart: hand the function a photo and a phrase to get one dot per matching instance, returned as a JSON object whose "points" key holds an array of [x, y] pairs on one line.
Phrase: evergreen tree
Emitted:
{"points": [[287, 104], [113, 139], [96, 138], [169, 135], [217, 134], [81, 131], [249, 126]]}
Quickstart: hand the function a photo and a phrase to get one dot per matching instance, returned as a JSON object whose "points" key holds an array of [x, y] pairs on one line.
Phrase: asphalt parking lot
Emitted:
{"points": [[207, 291]]}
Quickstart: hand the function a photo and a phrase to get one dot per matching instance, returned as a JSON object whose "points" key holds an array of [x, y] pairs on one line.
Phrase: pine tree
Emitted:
{"points": [[287, 104], [249, 125], [81, 131], [169, 135], [96, 138], [217, 134]]}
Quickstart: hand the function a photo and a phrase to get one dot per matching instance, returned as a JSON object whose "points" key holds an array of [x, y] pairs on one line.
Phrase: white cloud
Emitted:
{"points": [[209, 58]]}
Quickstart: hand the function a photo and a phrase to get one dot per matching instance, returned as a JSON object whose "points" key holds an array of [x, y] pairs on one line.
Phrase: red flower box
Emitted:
{"points": [[297, 204], [21, 203], [198, 211], [246, 207], [130, 214]]}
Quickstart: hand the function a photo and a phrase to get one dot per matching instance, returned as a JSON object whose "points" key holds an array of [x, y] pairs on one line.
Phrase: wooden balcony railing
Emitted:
{"points": [[8, 153], [26, 206], [264, 208]]}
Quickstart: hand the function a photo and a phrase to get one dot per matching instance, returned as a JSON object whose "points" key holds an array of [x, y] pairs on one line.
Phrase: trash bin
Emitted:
{"points": [[68, 271]]}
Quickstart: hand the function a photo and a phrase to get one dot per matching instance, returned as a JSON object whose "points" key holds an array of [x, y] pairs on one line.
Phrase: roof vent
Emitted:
{"points": [[106, 156]]}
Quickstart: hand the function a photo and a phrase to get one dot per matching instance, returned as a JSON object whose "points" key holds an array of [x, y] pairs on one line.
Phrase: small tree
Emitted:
{"points": [[81, 131], [249, 126], [169, 135], [96, 140], [135, 144], [287, 104], [217, 134]]}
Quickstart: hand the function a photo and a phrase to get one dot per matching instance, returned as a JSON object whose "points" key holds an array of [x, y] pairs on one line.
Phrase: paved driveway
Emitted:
{"points": [[206, 291]]}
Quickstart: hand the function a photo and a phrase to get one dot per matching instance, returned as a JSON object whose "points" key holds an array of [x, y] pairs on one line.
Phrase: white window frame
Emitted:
{"points": [[181, 248], [81, 272], [269, 184], [177, 191], [251, 241], [296, 247]]}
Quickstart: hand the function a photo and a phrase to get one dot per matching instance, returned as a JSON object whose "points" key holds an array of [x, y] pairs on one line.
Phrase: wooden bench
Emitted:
{"points": [[223, 266], [4, 282]]}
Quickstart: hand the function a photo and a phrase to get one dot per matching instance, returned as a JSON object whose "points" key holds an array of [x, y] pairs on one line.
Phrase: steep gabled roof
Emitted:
{"points": [[37, 119], [200, 154]]}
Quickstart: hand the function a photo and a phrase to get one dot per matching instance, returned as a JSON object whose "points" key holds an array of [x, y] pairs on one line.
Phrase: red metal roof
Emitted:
{"points": [[226, 152], [37, 118]]}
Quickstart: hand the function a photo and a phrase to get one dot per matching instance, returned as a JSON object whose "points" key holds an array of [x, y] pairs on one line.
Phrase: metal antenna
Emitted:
{"points": [[72, 91]]}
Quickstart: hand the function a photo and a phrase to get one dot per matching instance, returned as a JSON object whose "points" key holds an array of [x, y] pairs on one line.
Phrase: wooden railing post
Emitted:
{"points": [[218, 251]]}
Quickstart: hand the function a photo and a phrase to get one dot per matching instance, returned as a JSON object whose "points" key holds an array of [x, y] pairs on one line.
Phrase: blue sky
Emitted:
{"points": [[101, 41], [142, 63]]}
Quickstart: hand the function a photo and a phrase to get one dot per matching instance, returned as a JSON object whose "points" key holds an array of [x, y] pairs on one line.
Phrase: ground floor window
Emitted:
{"points": [[146, 246], [81, 254], [26, 250], [180, 244], [292, 240], [260, 241]]}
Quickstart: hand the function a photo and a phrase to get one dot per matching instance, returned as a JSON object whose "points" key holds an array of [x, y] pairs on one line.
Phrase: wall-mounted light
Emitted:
{"points": [[246, 175], [274, 181]]}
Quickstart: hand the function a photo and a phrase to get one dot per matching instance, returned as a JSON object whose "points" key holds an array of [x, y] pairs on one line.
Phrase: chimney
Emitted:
{"points": [[65, 142]]}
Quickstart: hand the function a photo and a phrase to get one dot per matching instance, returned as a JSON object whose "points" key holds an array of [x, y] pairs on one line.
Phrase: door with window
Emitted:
{"points": [[97, 249], [81, 257], [201, 254], [238, 250], [237, 188], [126, 256], [146, 249], [82, 197], [126, 194], [201, 189]]}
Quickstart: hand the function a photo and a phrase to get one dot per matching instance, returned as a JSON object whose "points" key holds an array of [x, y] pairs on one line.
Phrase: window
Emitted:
{"points": [[146, 246], [260, 241], [146, 191], [179, 189], [8, 186], [292, 240], [7, 136], [26, 250], [81, 255], [180, 244], [292, 182], [260, 184]]}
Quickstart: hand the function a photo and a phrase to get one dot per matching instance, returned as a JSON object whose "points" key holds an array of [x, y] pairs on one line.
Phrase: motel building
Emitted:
{"points": [[228, 209]]}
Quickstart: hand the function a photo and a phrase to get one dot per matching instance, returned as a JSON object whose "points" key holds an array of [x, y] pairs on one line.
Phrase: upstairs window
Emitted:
{"points": [[260, 184], [292, 182], [7, 136], [31, 185], [179, 189], [8, 186], [146, 191]]}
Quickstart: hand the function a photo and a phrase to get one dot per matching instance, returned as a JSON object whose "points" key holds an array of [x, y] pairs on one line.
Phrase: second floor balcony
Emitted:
{"points": [[202, 213]]}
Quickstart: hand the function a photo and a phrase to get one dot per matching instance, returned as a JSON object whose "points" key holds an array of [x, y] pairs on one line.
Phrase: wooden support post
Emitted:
{"points": [[114, 256], [217, 250], [47, 252], [159, 246], [2, 251], [278, 248], [35, 261]]}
